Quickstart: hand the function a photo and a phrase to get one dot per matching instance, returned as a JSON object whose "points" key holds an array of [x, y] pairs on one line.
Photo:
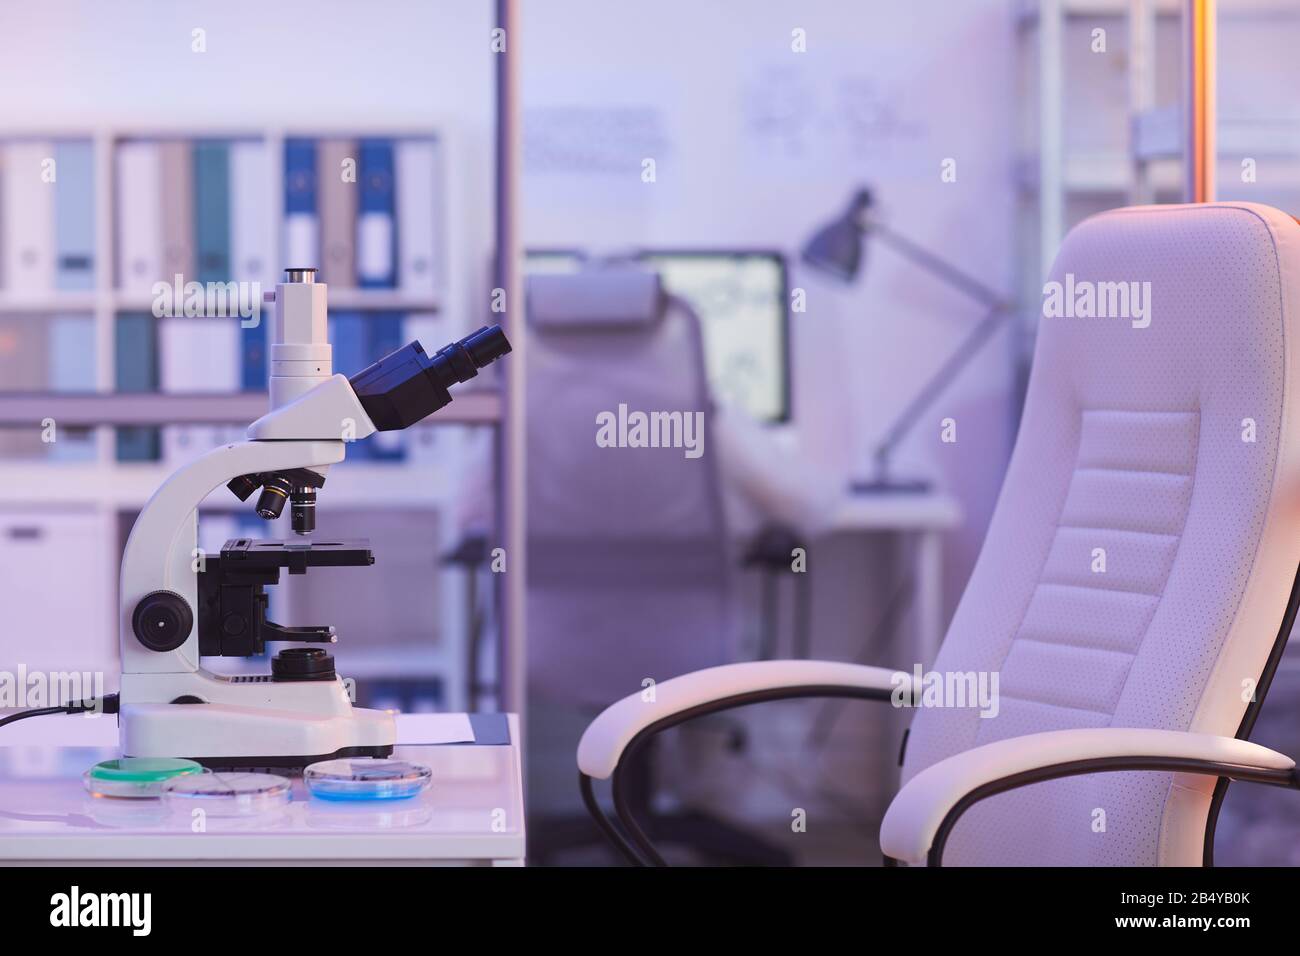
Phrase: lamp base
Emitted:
{"points": [[890, 486]]}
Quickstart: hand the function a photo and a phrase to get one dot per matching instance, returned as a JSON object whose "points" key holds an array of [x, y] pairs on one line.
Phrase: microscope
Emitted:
{"points": [[179, 605]]}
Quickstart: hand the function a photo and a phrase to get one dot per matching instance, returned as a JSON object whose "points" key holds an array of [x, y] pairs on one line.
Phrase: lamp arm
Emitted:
{"points": [[955, 362], [932, 263]]}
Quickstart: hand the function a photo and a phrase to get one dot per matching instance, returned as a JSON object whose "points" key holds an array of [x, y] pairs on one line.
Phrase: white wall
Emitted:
{"points": [[756, 145]]}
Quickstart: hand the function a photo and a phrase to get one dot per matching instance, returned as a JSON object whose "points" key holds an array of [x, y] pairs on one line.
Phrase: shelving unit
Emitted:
{"points": [[1140, 158], [108, 488], [105, 407]]}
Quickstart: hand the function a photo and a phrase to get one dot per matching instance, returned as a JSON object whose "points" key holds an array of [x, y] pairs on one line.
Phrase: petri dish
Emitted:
{"points": [[232, 794], [366, 778], [136, 777]]}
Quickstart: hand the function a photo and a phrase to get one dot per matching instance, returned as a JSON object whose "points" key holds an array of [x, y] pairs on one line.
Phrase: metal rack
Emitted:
{"points": [[1149, 165]]}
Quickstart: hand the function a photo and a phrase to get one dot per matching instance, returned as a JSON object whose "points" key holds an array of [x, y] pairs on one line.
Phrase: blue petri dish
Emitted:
{"points": [[366, 778]]}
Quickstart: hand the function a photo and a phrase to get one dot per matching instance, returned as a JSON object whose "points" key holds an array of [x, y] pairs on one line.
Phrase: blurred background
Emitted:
{"points": [[849, 207]]}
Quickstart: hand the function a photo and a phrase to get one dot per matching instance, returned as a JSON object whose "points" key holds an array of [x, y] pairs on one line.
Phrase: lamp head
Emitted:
{"points": [[837, 247]]}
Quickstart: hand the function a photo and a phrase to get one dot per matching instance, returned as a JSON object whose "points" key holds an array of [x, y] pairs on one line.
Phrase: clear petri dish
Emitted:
{"points": [[366, 778], [228, 794], [136, 777]]}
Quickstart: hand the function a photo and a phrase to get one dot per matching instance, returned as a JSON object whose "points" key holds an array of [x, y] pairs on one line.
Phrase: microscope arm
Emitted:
{"points": [[163, 545]]}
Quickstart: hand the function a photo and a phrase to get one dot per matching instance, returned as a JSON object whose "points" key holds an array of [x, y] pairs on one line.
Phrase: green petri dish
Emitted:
{"points": [[135, 777]]}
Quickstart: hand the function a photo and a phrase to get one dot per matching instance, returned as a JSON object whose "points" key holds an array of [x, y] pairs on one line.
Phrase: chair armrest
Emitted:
{"points": [[717, 688], [922, 814]]}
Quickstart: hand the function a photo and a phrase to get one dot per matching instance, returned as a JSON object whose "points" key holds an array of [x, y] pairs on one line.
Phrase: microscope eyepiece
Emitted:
{"points": [[486, 345], [460, 361], [408, 385]]}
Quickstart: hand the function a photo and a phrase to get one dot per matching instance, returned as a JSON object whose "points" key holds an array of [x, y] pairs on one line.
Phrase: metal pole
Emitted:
{"points": [[512, 487], [1198, 32], [1142, 91], [1051, 132]]}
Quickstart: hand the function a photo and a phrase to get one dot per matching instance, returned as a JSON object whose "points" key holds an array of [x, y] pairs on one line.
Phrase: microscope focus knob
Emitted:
{"points": [[162, 620]]}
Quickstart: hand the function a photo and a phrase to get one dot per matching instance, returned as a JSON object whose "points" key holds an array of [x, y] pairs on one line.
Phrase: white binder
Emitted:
{"points": [[251, 208], [139, 217], [27, 199], [196, 355], [417, 213]]}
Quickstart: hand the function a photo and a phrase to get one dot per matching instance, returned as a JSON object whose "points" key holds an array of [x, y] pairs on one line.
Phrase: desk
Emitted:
{"points": [[472, 814], [927, 516]]}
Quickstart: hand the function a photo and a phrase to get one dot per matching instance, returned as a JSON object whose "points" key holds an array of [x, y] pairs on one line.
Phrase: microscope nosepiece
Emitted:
{"points": [[270, 503]]}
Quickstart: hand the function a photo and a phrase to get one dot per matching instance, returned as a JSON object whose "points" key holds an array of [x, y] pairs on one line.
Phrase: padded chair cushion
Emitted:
{"points": [[606, 299], [1170, 453]]}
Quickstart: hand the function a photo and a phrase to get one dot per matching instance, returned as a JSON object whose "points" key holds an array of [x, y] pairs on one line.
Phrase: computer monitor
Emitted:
{"points": [[743, 304]]}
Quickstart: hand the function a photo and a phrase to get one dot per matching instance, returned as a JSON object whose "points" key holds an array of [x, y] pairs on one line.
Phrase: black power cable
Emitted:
{"points": [[107, 704]]}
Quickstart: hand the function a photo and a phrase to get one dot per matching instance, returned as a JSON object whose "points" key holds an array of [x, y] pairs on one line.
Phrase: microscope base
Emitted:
{"points": [[228, 735], [287, 763]]}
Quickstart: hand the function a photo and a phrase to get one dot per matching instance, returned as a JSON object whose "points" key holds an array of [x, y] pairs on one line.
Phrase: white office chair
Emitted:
{"points": [[1136, 587]]}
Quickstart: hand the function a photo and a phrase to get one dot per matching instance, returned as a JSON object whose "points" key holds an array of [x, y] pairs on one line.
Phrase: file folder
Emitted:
{"points": [[351, 355], [301, 223], [197, 355], [375, 225], [338, 213], [252, 249], [252, 252], [429, 330], [212, 211], [27, 201], [177, 182], [74, 214], [417, 216], [139, 217], [71, 358], [384, 335], [135, 359]]}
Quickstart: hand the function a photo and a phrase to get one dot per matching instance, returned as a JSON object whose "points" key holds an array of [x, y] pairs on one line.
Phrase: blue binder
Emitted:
{"points": [[376, 226], [351, 355], [384, 335], [301, 221], [300, 177], [74, 215], [212, 211], [253, 348], [71, 359], [136, 361]]}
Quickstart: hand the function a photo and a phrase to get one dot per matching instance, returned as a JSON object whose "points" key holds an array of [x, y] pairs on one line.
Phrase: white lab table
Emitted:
{"points": [[472, 814], [928, 516]]}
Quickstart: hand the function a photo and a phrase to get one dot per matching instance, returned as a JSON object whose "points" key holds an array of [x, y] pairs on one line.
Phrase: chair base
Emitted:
{"points": [[716, 841]]}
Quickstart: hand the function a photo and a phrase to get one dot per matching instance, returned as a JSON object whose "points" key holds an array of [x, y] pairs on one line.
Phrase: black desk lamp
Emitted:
{"points": [[837, 248]]}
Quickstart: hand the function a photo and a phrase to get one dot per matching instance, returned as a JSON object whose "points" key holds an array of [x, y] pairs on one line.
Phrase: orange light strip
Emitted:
{"points": [[1201, 144]]}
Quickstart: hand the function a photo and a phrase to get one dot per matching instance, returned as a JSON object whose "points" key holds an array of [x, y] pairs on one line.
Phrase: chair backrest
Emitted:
{"points": [[1145, 544], [628, 569]]}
